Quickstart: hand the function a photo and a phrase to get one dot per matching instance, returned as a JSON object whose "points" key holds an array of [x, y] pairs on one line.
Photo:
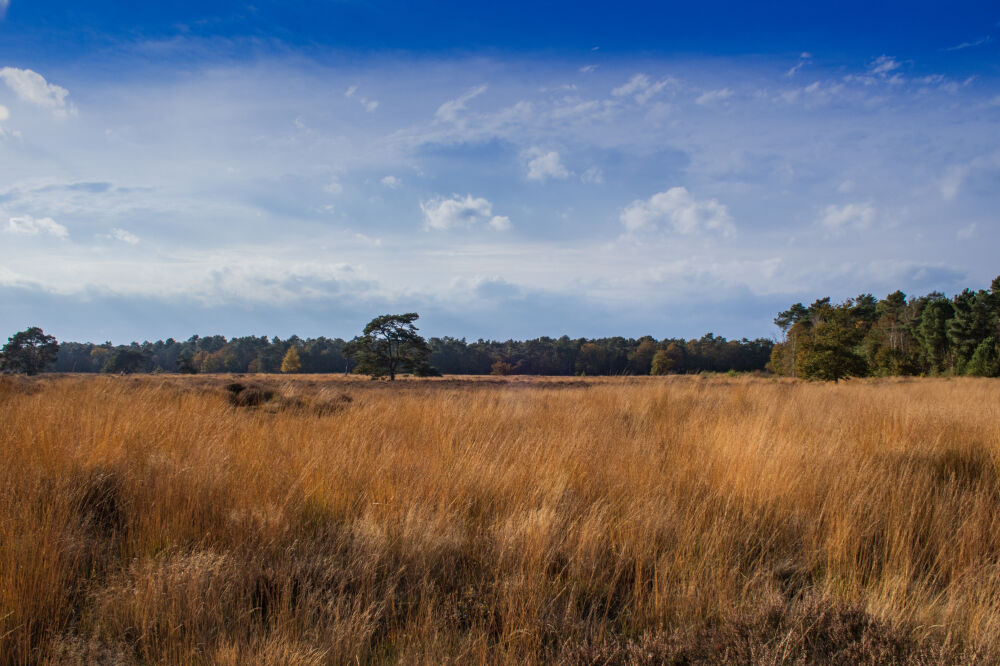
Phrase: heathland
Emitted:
{"points": [[678, 519]]}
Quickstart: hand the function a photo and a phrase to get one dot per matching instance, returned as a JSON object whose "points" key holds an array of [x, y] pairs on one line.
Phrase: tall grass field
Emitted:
{"points": [[646, 520]]}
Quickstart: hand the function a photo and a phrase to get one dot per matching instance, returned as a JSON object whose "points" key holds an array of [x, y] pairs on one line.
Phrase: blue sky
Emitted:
{"points": [[507, 171]]}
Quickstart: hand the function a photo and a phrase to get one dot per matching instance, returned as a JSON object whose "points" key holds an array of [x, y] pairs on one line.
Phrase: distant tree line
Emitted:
{"points": [[865, 336], [540, 356]]}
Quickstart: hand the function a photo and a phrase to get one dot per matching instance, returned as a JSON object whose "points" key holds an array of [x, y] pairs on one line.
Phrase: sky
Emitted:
{"points": [[509, 170]]}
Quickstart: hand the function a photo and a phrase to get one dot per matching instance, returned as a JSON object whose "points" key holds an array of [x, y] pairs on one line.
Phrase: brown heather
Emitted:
{"points": [[622, 520]]}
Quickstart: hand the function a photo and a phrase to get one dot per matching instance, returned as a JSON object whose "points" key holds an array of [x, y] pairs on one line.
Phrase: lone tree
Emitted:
{"points": [[29, 351], [390, 344]]}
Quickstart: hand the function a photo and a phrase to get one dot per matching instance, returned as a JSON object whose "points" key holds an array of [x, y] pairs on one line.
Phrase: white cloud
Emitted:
{"points": [[32, 226], [852, 215], [588, 68], [882, 65], [500, 222], [966, 45], [803, 59], [4, 113], [461, 213], [592, 176], [391, 182], [641, 88], [713, 96], [368, 104], [334, 187], [846, 187], [31, 87], [450, 110], [635, 84], [124, 236], [4, 4], [542, 165], [966, 233], [684, 213]]}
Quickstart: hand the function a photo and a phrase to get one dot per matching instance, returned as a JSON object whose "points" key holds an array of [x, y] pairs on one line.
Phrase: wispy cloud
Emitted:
{"points": [[450, 110], [641, 88], [124, 236], [714, 96], [369, 105], [848, 216], [883, 65], [592, 176], [968, 45], [966, 232], [803, 59]]}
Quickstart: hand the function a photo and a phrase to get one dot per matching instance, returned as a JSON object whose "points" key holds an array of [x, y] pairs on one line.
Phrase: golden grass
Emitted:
{"points": [[614, 520]]}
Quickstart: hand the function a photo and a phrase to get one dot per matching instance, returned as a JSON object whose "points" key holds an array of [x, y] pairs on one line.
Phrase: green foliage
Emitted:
{"points": [[185, 363], [127, 360], [931, 334], [828, 349], [985, 361], [29, 351], [538, 356], [669, 361], [390, 344], [641, 360], [592, 359], [970, 324]]}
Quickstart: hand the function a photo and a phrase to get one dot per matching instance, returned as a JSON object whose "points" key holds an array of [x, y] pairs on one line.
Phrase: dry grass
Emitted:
{"points": [[646, 520]]}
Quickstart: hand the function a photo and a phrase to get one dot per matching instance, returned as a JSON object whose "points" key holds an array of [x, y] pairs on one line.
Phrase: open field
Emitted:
{"points": [[616, 520]]}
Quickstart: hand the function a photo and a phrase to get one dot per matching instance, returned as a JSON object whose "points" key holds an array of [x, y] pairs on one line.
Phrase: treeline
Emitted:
{"points": [[865, 336], [541, 356]]}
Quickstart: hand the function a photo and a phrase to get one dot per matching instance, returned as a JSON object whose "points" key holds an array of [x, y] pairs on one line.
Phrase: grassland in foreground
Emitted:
{"points": [[620, 520]]}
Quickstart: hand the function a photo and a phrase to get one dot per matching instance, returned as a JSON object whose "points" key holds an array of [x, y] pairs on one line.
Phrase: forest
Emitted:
{"points": [[865, 336], [540, 356]]}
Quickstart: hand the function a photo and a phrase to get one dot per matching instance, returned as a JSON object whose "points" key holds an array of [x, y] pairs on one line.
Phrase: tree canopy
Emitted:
{"points": [[29, 351], [865, 336], [390, 344]]}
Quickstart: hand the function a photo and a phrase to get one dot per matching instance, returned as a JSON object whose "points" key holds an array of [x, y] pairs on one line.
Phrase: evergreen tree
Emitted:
{"points": [[390, 344], [828, 350], [985, 361], [932, 334], [29, 351]]}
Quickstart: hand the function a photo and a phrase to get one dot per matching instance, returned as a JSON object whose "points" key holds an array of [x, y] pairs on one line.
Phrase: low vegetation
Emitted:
{"points": [[498, 520]]}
